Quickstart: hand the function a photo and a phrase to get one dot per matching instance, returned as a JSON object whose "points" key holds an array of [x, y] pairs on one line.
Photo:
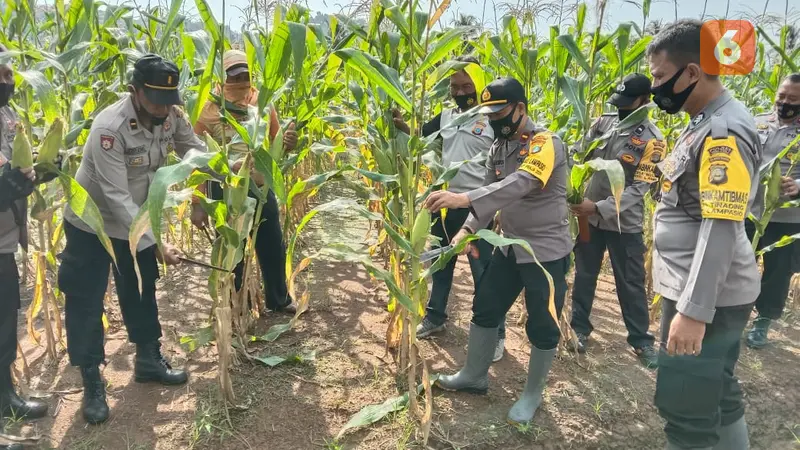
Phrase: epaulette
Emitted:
{"points": [[719, 127]]}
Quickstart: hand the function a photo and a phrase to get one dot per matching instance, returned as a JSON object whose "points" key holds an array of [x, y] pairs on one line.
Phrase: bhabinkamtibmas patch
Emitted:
{"points": [[724, 181], [541, 157], [653, 154]]}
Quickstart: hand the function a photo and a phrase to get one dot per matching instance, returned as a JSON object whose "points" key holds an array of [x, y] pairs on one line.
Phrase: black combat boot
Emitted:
{"points": [[11, 405], [152, 366], [95, 408]]}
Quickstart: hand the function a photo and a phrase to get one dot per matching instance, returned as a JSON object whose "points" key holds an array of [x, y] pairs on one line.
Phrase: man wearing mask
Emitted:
{"points": [[526, 180], [703, 264], [776, 131], [464, 143], [638, 147], [239, 92], [128, 142], [15, 186]]}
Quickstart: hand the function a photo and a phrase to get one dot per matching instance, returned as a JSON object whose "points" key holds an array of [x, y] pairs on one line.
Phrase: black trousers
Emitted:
{"points": [[443, 279], [502, 283], [83, 277], [9, 308], [780, 265], [698, 394], [626, 251], [270, 252]]}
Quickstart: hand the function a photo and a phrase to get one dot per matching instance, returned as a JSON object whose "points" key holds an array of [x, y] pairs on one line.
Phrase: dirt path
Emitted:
{"points": [[607, 405]]}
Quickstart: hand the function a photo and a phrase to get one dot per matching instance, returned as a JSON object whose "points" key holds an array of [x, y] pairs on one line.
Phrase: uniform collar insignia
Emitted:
{"points": [[698, 119], [133, 124]]}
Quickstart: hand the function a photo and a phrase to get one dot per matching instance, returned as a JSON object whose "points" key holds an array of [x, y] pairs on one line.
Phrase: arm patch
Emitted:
{"points": [[724, 180], [541, 157], [653, 154]]}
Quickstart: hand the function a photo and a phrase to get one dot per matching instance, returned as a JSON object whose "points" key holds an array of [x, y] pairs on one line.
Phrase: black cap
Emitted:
{"points": [[159, 78], [500, 93], [632, 87]]}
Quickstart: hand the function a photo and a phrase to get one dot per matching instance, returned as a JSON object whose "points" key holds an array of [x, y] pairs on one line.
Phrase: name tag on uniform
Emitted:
{"points": [[135, 150], [135, 161]]}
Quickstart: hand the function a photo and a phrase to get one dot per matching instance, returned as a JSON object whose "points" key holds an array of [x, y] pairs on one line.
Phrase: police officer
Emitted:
{"points": [[128, 142], [15, 186], [703, 264], [526, 180], [463, 143], [776, 131], [638, 148]]}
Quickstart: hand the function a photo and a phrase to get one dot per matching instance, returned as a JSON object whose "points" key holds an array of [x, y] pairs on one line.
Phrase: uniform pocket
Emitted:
{"points": [[634, 263], [688, 387]]}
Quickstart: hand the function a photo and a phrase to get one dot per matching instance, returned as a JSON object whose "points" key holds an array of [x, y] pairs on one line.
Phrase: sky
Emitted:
{"points": [[617, 11]]}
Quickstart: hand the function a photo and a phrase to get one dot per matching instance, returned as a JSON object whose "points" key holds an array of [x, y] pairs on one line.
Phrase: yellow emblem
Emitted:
{"points": [[169, 79], [666, 186], [724, 181], [486, 95]]}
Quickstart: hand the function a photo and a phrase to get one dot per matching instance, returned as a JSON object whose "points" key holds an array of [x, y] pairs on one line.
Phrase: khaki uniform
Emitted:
{"points": [[783, 262], [120, 160], [13, 225], [526, 180], [522, 198], [704, 266], [638, 149]]}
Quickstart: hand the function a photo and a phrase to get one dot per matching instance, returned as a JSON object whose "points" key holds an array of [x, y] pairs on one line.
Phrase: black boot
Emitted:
{"points": [[95, 408], [14, 446], [11, 405], [152, 366]]}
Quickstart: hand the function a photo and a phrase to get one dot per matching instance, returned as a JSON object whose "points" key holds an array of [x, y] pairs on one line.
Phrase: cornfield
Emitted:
{"points": [[339, 84]]}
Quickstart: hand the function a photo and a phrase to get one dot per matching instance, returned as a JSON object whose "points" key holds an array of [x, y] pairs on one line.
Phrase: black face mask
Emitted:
{"points": [[667, 99], [787, 111], [505, 127], [157, 121], [6, 91], [623, 113], [466, 101]]}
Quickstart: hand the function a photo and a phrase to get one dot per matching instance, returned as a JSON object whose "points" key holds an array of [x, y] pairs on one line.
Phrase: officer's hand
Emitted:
{"points": [[585, 208], [199, 216], [445, 199], [169, 254], [470, 249], [685, 336], [789, 187], [399, 122], [290, 138], [28, 173]]}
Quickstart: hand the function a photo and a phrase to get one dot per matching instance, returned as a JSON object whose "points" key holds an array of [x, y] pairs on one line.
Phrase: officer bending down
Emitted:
{"points": [[129, 141], [703, 264], [526, 180]]}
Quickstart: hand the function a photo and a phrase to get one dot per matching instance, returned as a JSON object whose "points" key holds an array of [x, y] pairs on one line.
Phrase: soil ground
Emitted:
{"points": [[603, 403]]}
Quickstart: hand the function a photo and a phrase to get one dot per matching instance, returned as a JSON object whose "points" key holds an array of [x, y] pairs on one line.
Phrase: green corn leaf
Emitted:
{"points": [[44, 92], [274, 360], [377, 73], [443, 46], [782, 242], [568, 41]]}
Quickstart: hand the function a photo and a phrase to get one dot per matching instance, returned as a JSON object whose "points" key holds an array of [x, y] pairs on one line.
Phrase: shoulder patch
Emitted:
{"points": [[653, 154], [541, 157], [724, 180], [106, 142]]}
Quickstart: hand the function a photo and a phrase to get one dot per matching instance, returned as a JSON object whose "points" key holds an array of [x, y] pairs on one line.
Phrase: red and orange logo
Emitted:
{"points": [[727, 47]]}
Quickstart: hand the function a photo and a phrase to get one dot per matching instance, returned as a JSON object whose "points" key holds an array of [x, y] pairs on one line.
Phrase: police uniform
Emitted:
{"points": [[120, 160], [526, 181], [13, 232], [638, 149], [781, 263], [704, 267], [463, 143]]}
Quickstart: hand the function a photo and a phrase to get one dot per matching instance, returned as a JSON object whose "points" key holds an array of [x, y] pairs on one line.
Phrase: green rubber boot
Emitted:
{"points": [[734, 436], [757, 337], [474, 376], [525, 408]]}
